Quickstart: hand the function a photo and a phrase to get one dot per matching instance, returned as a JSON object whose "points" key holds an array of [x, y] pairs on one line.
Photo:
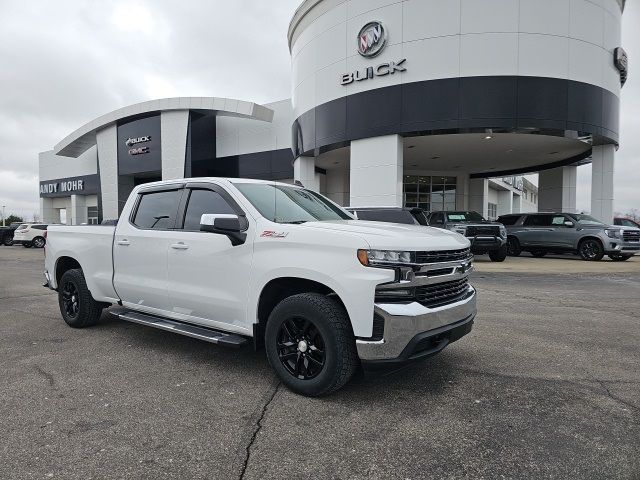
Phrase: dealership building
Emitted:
{"points": [[440, 104]]}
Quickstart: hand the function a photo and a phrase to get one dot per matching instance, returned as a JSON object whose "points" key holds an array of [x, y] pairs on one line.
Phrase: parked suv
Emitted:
{"points": [[406, 216], [30, 235], [543, 233], [485, 236], [626, 222], [6, 234]]}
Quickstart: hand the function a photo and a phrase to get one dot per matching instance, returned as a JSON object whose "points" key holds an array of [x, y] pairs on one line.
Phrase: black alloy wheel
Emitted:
{"points": [[591, 250], [70, 299], [513, 247], [301, 348], [618, 257]]}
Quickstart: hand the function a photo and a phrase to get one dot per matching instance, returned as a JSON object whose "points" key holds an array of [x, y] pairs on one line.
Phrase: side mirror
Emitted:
{"points": [[230, 225], [569, 224]]}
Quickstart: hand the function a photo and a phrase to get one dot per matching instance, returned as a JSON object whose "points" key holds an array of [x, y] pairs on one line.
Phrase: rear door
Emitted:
{"points": [[140, 250], [534, 229], [208, 276]]}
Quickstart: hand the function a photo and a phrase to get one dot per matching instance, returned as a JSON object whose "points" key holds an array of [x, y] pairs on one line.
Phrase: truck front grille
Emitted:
{"points": [[491, 230], [442, 293], [442, 257], [631, 236]]}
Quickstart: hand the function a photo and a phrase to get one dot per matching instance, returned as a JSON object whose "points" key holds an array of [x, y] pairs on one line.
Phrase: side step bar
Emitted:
{"points": [[201, 333]]}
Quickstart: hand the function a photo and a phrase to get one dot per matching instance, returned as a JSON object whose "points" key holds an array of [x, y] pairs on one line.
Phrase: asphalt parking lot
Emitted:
{"points": [[546, 386]]}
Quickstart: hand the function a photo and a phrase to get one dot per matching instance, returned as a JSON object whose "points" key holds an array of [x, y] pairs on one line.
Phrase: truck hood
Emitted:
{"points": [[395, 236]]}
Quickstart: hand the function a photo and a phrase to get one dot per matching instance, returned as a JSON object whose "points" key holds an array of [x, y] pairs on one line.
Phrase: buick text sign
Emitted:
{"points": [[65, 187]]}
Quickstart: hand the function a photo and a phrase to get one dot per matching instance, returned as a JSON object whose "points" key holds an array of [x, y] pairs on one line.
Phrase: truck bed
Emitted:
{"points": [[92, 247]]}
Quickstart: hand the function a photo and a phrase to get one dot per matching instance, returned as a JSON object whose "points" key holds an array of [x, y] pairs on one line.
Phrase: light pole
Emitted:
{"points": [[3, 207]]}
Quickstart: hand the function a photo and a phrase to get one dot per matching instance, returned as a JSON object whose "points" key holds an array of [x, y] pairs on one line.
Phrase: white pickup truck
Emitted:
{"points": [[229, 261]]}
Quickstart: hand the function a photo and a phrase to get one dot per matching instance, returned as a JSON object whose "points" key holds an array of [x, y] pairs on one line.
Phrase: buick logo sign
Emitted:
{"points": [[372, 39]]}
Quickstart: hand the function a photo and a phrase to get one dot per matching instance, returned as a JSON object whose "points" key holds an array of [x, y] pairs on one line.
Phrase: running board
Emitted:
{"points": [[201, 333]]}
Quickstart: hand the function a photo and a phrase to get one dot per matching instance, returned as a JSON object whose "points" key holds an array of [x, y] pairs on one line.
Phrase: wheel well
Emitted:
{"points": [[64, 264], [582, 240], [277, 290]]}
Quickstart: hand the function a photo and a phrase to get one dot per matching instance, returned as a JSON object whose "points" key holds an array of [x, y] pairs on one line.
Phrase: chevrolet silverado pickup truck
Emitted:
{"points": [[238, 261]]}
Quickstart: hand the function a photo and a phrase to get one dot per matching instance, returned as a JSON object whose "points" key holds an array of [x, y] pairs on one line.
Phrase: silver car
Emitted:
{"points": [[543, 233]]}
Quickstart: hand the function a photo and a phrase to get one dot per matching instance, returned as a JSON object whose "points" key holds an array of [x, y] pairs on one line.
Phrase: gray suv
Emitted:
{"points": [[543, 233], [485, 236]]}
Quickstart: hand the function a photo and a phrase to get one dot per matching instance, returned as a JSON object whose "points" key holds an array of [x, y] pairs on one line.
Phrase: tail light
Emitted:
{"points": [[45, 243]]}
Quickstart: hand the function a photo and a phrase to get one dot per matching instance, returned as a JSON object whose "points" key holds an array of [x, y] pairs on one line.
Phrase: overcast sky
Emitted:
{"points": [[64, 63]]}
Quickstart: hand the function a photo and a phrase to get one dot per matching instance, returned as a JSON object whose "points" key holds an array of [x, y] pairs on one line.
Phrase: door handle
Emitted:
{"points": [[124, 243], [180, 246]]}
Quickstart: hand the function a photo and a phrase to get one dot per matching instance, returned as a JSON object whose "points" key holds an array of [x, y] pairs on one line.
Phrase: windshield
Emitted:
{"points": [[466, 217], [284, 204], [587, 220]]}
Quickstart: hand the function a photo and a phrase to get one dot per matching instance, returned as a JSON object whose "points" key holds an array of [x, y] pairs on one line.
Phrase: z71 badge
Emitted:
{"points": [[271, 234]]}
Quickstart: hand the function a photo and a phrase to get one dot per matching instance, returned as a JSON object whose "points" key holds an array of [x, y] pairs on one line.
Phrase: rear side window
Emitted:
{"points": [[538, 221], [508, 221], [204, 202], [388, 216], [40, 227], [157, 210]]}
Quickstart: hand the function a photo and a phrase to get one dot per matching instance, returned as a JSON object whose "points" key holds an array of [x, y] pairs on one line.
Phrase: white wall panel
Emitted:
{"points": [[359, 7], [430, 18], [328, 84], [585, 62], [331, 46], [357, 62], [587, 22], [543, 55], [550, 17], [612, 31], [424, 55], [489, 16], [489, 54], [391, 18]]}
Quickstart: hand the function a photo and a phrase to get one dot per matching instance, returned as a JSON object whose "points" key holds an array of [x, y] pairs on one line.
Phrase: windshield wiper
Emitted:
{"points": [[296, 222]]}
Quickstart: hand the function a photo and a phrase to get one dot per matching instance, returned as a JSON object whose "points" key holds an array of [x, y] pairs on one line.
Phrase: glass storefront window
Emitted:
{"points": [[430, 193], [92, 215]]}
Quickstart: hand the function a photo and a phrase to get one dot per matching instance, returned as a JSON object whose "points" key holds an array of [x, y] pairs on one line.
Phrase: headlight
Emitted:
{"points": [[611, 233], [461, 229], [383, 258], [503, 231]]}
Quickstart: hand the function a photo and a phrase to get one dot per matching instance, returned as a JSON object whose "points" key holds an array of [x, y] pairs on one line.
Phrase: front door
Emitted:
{"points": [[208, 276], [140, 251]]}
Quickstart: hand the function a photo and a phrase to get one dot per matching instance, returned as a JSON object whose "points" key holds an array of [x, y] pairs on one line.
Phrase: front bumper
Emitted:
{"points": [[622, 247], [486, 243], [414, 332]]}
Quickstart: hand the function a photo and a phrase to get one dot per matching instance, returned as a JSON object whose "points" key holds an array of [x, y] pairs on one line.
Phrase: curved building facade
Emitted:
{"points": [[441, 104]]}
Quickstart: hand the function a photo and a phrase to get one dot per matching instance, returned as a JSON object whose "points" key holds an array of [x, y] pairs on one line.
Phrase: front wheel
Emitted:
{"points": [[513, 247], [77, 306], [591, 250], [617, 257], [499, 255], [310, 344]]}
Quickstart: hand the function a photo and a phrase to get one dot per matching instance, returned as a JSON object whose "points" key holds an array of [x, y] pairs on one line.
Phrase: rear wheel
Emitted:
{"points": [[39, 242], [77, 306], [310, 344], [538, 253], [619, 257], [513, 247], [8, 241], [591, 250], [499, 255]]}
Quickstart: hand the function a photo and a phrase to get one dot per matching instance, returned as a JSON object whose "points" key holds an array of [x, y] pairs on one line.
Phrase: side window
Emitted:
{"points": [[388, 216], [559, 220], [538, 221], [437, 219], [204, 202], [508, 221], [157, 210]]}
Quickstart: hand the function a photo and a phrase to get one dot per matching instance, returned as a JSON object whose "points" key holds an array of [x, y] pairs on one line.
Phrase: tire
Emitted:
{"points": [[8, 241], [77, 306], [315, 329], [591, 250], [619, 257], [538, 253], [38, 242], [499, 255], [513, 247]]}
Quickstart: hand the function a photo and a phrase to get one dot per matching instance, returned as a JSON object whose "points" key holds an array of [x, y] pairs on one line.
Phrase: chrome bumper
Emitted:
{"points": [[403, 322]]}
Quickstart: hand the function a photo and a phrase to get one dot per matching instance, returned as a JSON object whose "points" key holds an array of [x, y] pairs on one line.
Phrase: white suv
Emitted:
{"points": [[31, 235]]}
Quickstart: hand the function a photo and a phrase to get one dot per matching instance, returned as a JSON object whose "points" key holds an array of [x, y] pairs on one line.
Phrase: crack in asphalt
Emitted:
{"points": [[257, 428], [617, 399], [43, 373]]}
